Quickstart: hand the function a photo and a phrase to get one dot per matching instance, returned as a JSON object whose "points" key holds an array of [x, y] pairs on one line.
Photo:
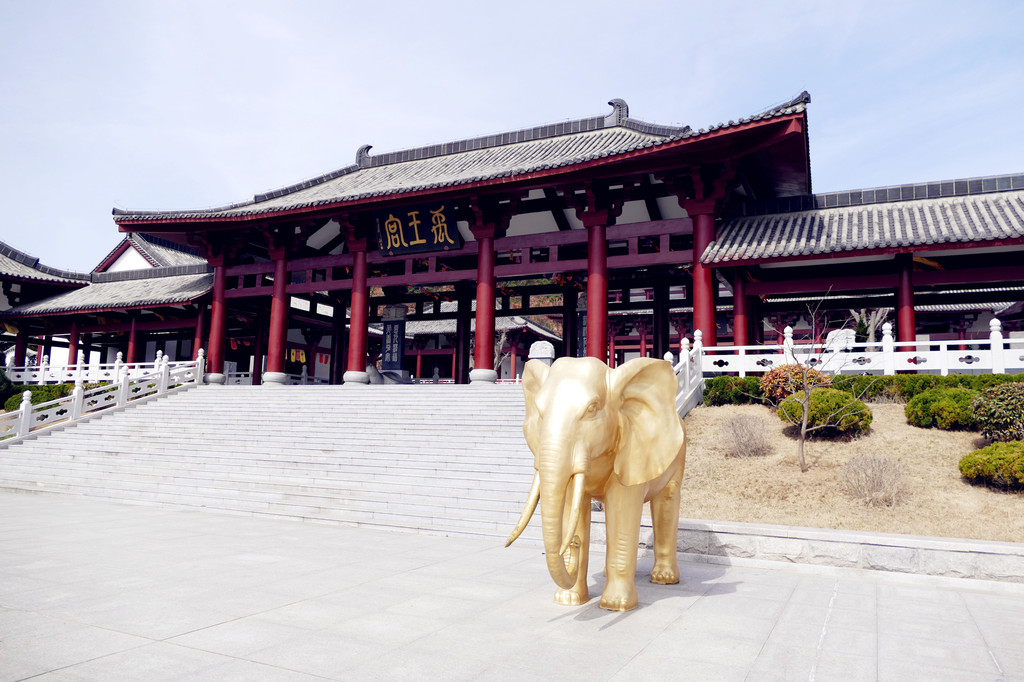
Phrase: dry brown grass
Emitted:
{"points": [[772, 490]]}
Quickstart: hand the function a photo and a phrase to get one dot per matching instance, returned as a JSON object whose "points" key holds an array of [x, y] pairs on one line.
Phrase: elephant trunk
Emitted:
{"points": [[561, 536]]}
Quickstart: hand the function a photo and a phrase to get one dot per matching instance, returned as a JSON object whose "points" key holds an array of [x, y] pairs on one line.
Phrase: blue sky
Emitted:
{"points": [[191, 104]]}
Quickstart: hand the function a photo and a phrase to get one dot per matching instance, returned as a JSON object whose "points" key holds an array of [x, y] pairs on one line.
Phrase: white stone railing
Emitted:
{"points": [[83, 402], [994, 355], [45, 373], [689, 373]]}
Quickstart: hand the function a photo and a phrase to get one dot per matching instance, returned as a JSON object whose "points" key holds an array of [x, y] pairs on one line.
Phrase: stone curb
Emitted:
{"points": [[713, 541]]}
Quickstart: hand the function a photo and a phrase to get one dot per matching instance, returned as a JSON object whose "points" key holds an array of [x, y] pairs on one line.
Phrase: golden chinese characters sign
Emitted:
{"points": [[415, 229]]}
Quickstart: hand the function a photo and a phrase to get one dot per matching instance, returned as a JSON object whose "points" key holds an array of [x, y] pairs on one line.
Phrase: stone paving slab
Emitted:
{"points": [[91, 590]]}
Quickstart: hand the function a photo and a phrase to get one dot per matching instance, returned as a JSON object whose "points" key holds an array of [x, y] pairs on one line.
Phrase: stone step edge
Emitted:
{"points": [[450, 507], [387, 489], [486, 525], [727, 541]]}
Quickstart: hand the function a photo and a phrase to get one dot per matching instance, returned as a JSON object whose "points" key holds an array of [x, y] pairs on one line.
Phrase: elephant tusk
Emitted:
{"points": [[531, 506], [574, 511]]}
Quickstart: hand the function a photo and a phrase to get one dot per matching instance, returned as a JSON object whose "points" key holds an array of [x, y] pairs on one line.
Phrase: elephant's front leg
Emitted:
{"points": [[665, 517], [578, 593], [623, 506]]}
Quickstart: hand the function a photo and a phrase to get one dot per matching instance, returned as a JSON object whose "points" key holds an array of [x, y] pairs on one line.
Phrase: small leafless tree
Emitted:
{"points": [[871, 318], [801, 384], [500, 355]]}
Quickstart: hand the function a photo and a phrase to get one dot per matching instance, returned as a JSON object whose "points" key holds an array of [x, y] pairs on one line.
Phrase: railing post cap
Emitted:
{"points": [[994, 324], [668, 356], [887, 327], [120, 356], [697, 335]]}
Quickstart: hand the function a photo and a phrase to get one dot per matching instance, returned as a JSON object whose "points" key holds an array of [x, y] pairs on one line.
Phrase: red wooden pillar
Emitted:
{"points": [[513, 358], [278, 320], [643, 342], [73, 345], [906, 330], [197, 340], [133, 340], [703, 278], [360, 312], [740, 318], [597, 291], [20, 348], [218, 325], [419, 361], [483, 344]]}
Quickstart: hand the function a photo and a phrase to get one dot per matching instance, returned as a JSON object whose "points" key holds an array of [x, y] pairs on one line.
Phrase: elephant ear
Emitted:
{"points": [[535, 373], [650, 428]]}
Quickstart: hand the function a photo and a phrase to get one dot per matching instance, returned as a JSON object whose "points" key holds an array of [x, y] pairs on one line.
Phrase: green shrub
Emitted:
{"points": [[6, 387], [906, 386], [1000, 412], [783, 381], [40, 394], [831, 413], [1000, 464], [728, 390], [948, 409]]}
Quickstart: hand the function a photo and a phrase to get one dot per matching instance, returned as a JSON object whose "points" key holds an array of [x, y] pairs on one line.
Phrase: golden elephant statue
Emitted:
{"points": [[612, 435]]}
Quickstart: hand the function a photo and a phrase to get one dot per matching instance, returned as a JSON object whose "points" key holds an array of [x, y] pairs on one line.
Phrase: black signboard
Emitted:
{"points": [[394, 345], [416, 229]]}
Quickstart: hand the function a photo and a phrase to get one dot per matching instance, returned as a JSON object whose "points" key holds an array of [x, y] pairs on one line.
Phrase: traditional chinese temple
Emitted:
{"points": [[609, 235]]}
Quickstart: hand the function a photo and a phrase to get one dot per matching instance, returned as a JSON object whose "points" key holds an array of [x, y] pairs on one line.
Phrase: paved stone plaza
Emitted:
{"points": [[100, 591]]}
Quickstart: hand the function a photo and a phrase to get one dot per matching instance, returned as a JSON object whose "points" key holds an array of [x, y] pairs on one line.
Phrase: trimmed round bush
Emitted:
{"points": [[999, 412], [831, 413], [948, 409], [999, 464], [785, 380]]}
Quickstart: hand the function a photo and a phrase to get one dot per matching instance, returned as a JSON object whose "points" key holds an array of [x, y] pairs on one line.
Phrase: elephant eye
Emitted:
{"points": [[591, 410]]}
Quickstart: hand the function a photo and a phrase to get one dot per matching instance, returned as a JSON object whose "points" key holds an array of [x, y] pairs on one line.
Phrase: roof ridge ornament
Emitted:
{"points": [[363, 156], [620, 112]]}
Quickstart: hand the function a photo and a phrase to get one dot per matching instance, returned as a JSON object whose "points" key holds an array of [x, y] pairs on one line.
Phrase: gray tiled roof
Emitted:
{"points": [[922, 222], [465, 161], [162, 253], [18, 265], [121, 293]]}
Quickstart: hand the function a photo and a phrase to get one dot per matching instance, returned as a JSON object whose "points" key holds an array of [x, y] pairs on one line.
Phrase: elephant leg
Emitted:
{"points": [[623, 507], [665, 517], [578, 593]]}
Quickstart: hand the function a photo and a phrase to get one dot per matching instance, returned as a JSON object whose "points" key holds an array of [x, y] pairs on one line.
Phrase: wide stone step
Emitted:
{"points": [[414, 517], [353, 477], [448, 460], [393, 452]]}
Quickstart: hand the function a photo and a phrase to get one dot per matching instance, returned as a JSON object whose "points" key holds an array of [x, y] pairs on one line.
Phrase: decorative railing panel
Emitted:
{"points": [[82, 401], [995, 355]]}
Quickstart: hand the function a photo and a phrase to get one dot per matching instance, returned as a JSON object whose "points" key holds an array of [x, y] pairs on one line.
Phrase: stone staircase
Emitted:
{"points": [[439, 459]]}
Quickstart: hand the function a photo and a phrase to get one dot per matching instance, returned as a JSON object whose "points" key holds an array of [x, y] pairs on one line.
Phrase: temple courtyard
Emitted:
{"points": [[91, 590]]}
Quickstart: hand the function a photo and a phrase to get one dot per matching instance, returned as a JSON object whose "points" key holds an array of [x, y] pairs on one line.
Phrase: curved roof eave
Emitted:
{"points": [[656, 142]]}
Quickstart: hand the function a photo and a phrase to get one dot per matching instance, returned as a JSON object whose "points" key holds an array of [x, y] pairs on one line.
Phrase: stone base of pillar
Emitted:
{"points": [[483, 376], [278, 378], [356, 378], [215, 378]]}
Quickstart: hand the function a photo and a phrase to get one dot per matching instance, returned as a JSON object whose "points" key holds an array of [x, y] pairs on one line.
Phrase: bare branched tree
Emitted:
{"points": [[801, 384], [499, 355], [871, 318]]}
